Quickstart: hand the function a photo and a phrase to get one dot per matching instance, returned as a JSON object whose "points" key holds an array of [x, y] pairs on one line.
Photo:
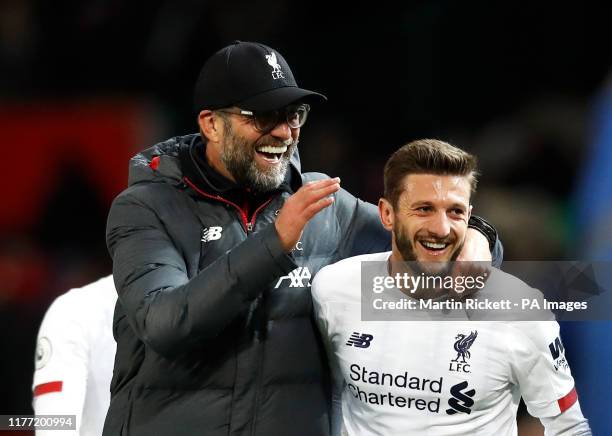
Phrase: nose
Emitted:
{"points": [[281, 131], [439, 225]]}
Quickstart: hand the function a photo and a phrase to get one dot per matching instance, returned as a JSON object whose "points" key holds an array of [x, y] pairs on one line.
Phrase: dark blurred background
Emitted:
{"points": [[85, 84]]}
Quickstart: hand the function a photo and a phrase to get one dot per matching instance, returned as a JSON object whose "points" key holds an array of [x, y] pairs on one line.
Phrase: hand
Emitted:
{"points": [[475, 248], [301, 207], [473, 261]]}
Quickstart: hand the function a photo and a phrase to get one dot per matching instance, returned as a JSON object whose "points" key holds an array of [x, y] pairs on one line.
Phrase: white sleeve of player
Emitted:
{"points": [[322, 319], [569, 423], [60, 375], [541, 370]]}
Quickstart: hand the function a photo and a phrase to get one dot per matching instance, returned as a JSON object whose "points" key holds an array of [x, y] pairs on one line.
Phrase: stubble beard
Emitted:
{"points": [[406, 248], [238, 156]]}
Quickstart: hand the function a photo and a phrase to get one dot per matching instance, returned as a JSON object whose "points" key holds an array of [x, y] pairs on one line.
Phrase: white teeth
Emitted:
{"points": [[433, 245], [274, 150]]}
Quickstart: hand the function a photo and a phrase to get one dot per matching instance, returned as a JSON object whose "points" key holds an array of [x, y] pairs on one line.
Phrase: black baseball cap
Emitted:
{"points": [[249, 75]]}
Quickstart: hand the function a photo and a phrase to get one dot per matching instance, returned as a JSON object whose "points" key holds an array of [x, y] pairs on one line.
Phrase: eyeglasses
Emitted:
{"points": [[265, 121]]}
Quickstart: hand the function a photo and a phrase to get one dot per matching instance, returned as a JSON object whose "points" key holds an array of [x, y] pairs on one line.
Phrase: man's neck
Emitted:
{"points": [[398, 267], [212, 155]]}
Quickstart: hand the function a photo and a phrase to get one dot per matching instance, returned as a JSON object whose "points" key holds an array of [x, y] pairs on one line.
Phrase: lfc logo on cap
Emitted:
{"points": [[276, 69]]}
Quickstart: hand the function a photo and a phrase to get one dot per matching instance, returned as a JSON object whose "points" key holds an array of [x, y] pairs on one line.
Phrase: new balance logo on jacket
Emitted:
{"points": [[211, 233]]}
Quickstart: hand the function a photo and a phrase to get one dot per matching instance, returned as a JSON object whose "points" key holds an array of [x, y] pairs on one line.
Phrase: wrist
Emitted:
{"points": [[486, 229]]}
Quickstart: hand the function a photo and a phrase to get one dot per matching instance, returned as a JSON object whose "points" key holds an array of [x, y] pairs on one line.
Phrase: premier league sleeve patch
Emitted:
{"points": [[43, 352]]}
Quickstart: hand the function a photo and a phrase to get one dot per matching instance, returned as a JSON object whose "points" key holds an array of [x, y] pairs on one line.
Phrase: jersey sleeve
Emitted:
{"points": [[60, 375], [569, 423], [540, 368]]}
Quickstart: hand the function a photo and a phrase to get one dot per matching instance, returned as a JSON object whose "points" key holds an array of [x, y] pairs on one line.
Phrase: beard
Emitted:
{"points": [[238, 156], [406, 248], [403, 243]]}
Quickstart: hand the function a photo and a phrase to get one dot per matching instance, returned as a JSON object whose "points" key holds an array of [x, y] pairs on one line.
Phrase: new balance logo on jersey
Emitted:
{"points": [[557, 352], [211, 234], [362, 340], [461, 400], [296, 278]]}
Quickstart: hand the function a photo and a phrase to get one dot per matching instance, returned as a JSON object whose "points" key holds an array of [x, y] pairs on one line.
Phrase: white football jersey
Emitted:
{"points": [[74, 357], [437, 378]]}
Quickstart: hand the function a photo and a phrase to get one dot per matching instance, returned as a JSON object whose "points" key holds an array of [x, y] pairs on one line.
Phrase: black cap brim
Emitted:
{"points": [[278, 98]]}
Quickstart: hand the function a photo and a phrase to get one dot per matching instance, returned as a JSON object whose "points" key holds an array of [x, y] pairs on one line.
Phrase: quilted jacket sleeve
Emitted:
{"points": [[361, 226], [168, 311]]}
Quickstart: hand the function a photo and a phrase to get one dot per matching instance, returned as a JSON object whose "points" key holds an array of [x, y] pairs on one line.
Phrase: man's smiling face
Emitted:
{"points": [[430, 219], [254, 160]]}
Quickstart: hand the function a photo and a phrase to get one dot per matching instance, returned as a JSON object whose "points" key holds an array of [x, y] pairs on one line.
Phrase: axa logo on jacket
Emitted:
{"points": [[296, 278]]}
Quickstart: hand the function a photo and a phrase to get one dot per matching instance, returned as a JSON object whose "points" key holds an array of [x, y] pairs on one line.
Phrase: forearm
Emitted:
{"points": [[168, 309], [172, 319]]}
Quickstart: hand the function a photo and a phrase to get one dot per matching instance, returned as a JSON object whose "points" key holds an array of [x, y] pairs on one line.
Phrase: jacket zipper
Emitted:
{"points": [[243, 217], [248, 226], [251, 224], [260, 357]]}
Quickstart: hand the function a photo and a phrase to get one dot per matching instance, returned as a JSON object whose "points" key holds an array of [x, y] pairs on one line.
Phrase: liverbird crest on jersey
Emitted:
{"points": [[463, 344]]}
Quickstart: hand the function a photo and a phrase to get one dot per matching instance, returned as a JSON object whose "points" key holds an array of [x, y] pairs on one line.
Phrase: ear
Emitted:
{"points": [[470, 212], [385, 211], [211, 125]]}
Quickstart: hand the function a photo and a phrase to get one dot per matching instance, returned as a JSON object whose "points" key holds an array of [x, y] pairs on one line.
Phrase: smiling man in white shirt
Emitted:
{"points": [[442, 377]]}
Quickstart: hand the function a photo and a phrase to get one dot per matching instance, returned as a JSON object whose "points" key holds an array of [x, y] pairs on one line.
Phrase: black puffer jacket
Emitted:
{"points": [[213, 323]]}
